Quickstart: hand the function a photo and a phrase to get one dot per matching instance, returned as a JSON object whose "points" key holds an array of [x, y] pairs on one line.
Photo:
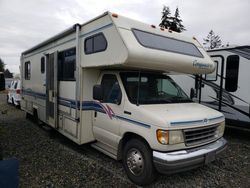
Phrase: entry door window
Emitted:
{"points": [[111, 89]]}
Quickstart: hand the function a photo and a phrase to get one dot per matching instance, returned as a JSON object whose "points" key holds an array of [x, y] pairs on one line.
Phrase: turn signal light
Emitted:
{"points": [[162, 136]]}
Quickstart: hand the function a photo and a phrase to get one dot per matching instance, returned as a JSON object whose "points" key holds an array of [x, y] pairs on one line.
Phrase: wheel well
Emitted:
{"points": [[126, 137]]}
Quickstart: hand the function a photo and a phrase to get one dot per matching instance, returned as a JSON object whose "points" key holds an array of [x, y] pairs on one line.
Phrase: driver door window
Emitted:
{"points": [[111, 89]]}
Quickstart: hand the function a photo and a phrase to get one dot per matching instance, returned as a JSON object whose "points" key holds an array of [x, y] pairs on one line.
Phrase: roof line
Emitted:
{"points": [[62, 34], [220, 49]]}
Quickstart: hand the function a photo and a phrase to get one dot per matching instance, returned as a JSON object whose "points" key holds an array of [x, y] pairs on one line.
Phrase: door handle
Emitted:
{"points": [[127, 112], [95, 115]]}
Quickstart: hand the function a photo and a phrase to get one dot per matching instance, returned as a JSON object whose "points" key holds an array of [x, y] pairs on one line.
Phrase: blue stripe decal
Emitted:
{"points": [[185, 122], [34, 94], [134, 122], [86, 105]]}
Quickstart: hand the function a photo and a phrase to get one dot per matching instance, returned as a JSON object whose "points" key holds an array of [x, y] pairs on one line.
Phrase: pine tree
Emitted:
{"points": [[212, 41], [2, 65], [177, 22], [173, 23], [166, 19]]}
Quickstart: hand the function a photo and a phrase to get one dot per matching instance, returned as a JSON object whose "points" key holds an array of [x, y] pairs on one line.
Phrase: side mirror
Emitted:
{"points": [[98, 92], [192, 93]]}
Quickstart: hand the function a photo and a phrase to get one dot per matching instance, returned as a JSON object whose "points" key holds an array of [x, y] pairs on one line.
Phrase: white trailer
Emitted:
{"points": [[106, 82], [226, 88]]}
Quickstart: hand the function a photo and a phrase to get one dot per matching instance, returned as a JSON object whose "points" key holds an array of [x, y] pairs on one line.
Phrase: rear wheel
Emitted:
{"points": [[137, 162]]}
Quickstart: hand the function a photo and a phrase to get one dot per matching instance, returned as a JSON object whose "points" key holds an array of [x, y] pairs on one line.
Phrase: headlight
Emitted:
{"points": [[176, 137], [220, 130], [169, 137]]}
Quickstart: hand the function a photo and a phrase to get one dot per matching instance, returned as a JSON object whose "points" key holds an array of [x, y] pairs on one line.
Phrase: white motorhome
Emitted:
{"points": [[226, 88], [106, 82]]}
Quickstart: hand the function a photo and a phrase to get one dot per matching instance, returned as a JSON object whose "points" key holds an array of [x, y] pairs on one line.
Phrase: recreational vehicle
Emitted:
{"points": [[226, 88], [106, 82]]}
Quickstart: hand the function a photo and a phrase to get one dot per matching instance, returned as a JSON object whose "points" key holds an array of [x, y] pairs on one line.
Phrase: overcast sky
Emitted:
{"points": [[25, 23]]}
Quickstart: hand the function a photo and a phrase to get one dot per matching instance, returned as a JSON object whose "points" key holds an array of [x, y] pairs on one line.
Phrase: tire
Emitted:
{"points": [[137, 162]]}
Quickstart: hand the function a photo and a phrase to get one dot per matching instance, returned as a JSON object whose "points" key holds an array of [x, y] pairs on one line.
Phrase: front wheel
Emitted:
{"points": [[137, 162]]}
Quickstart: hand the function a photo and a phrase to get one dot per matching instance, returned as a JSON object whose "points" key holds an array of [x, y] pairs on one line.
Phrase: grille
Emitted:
{"points": [[199, 135]]}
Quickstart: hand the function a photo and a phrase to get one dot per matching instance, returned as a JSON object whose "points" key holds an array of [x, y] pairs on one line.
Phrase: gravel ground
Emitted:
{"points": [[48, 159]]}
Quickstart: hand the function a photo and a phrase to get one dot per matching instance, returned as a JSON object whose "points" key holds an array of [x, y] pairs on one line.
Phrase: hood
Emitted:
{"points": [[183, 114]]}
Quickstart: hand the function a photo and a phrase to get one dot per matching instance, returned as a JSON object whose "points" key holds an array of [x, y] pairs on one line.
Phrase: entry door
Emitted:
{"points": [[210, 86], [106, 124], [51, 89]]}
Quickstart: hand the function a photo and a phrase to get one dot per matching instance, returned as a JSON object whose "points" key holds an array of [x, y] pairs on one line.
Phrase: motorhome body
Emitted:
{"points": [[225, 89], [136, 112]]}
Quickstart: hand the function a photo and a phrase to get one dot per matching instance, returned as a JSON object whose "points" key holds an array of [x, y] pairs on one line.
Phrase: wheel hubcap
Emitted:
{"points": [[135, 161]]}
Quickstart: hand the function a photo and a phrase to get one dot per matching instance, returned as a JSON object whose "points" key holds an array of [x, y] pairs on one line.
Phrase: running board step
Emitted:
{"points": [[111, 152]]}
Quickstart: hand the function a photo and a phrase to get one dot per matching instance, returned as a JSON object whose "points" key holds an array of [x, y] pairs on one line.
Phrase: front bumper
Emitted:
{"points": [[173, 162]]}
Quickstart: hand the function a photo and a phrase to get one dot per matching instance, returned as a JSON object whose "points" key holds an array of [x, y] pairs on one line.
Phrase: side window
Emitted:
{"points": [[232, 72], [159, 42], [213, 76], [95, 43], [42, 65], [67, 65], [27, 69], [111, 89]]}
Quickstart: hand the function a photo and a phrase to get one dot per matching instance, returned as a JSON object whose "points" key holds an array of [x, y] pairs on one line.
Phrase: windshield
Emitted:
{"points": [[148, 88]]}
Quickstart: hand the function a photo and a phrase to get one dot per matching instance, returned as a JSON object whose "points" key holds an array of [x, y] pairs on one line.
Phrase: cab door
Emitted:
{"points": [[106, 124]]}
